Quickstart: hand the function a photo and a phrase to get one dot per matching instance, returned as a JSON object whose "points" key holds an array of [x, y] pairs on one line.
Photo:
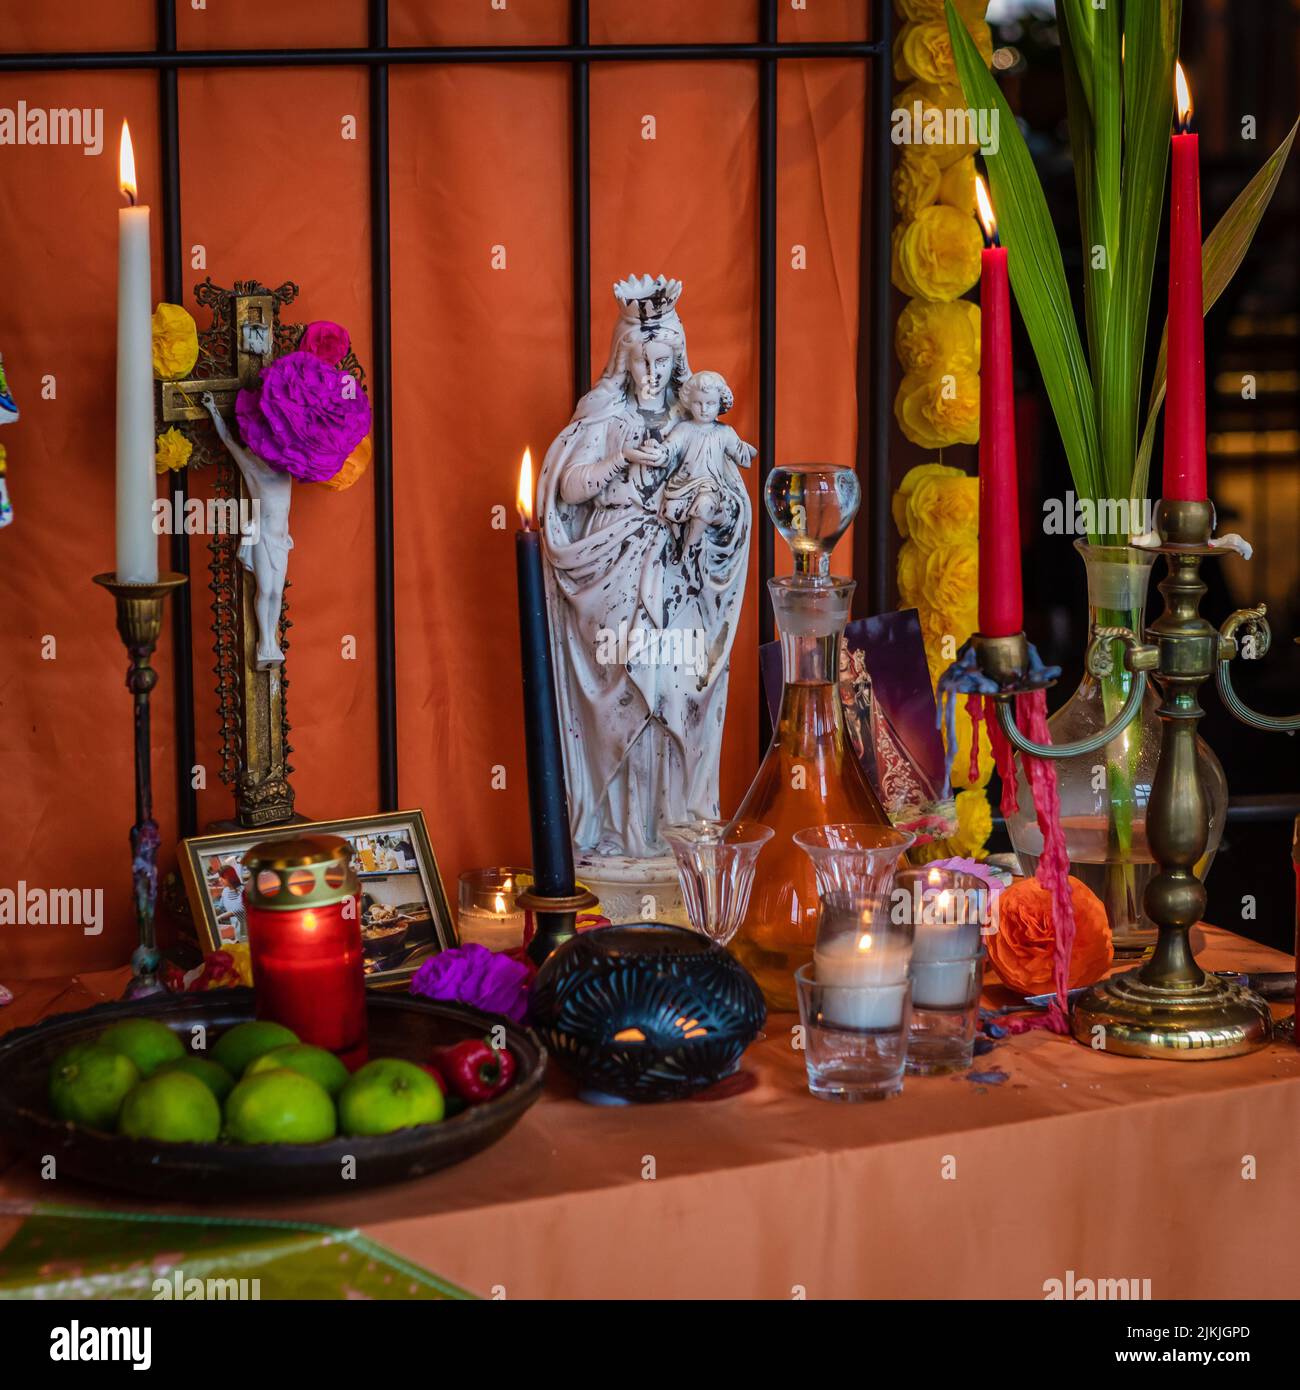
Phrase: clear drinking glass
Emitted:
{"points": [[855, 1036], [945, 1011], [715, 866], [949, 911]]}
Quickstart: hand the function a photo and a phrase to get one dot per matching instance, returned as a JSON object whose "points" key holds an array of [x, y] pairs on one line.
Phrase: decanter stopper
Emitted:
{"points": [[811, 505]]}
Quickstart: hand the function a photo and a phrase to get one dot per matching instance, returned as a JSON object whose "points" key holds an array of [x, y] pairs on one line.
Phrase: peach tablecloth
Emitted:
{"points": [[1184, 1174]]}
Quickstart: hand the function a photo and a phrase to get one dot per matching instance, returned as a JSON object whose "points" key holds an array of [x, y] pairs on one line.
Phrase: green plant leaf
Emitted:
{"points": [[1222, 253], [1076, 61], [1080, 32], [1107, 125], [1035, 267]]}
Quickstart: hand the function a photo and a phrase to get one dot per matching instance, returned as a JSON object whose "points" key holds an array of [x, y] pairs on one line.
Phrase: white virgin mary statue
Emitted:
{"points": [[643, 601]]}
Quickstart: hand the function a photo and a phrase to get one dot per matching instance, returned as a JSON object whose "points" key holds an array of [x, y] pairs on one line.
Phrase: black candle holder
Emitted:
{"points": [[555, 919]]}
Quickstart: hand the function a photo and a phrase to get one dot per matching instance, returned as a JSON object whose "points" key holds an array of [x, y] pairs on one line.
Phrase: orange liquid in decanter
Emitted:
{"points": [[810, 776]]}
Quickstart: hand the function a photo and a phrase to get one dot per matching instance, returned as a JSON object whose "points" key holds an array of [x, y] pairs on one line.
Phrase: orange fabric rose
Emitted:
{"points": [[1021, 947]]}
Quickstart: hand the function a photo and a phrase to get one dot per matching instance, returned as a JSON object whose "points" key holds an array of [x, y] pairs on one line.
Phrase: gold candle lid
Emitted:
{"points": [[306, 871]]}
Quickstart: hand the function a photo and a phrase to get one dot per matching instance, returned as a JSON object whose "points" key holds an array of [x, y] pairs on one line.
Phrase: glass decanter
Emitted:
{"points": [[810, 775]]}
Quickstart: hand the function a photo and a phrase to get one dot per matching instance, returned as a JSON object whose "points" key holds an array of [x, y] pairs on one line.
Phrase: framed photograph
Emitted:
{"points": [[404, 911]]}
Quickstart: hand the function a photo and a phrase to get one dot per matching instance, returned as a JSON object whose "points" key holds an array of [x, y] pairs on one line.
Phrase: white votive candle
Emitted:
{"points": [[947, 935], [865, 980], [497, 930]]}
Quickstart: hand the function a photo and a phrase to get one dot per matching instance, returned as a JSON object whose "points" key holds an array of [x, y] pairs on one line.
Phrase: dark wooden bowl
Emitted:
{"points": [[399, 1027]]}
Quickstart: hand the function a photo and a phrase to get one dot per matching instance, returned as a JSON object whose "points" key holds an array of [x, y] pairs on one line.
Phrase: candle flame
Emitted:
{"points": [[524, 496], [500, 903], [984, 204], [126, 165], [1183, 93], [864, 941], [934, 875]]}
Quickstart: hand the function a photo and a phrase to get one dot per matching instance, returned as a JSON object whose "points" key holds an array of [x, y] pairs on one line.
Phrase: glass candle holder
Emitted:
{"points": [[715, 866], [941, 1037], [858, 941], [302, 903], [948, 911], [486, 913], [855, 1037]]}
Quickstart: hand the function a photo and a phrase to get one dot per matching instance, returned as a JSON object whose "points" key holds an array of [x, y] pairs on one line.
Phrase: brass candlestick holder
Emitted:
{"points": [[1169, 1007], [139, 622], [555, 919]]}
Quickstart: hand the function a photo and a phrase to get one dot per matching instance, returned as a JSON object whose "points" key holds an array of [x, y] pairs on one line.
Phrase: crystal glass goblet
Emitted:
{"points": [[715, 865]]}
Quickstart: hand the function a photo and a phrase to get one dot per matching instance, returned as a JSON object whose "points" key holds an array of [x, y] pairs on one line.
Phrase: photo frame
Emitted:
{"points": [[405, 916]]}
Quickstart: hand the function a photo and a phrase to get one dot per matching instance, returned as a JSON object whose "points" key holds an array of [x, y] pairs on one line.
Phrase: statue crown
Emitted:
{"points": [[647, 299]]}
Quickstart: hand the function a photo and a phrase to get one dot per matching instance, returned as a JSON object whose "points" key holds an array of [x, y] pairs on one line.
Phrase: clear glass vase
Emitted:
{"points": [[1104, 795], [809, 776]]}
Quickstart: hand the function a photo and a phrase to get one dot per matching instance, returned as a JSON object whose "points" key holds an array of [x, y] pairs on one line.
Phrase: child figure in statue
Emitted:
{"points": [[702, 488], [265, 551]]}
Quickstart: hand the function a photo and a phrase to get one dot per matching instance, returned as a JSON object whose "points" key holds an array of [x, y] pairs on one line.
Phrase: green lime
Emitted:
{"points": [[88, 1084], [240, 1045], [176, 1108], [279, 1107], [323, 1067], [389, 1094], [213, 1075], [145, 1041]]}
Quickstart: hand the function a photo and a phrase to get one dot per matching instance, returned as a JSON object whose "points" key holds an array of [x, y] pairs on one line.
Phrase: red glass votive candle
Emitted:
{"points": [[302, 902]]}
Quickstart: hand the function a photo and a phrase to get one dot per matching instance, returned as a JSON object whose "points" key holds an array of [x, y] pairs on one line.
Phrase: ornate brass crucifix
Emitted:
{"points": [[246, 333]]}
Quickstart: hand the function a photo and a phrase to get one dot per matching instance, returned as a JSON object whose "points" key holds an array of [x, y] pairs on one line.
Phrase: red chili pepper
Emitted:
{"points": [[474, 1070]]}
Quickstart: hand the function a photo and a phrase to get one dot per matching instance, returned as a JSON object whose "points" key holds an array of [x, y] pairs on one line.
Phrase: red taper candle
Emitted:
{"points": [[1001, 600], [1184, 478]]}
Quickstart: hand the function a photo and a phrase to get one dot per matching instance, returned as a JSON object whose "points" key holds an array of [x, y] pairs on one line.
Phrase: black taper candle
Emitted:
{"points": [[548, 802]]}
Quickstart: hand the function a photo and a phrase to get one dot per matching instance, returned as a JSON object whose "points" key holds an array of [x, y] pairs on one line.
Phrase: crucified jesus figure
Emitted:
{"points": [[265, 550]]}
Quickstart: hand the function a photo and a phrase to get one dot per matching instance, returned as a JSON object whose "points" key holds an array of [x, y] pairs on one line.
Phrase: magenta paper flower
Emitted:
{"points": [[476, 976], [303, 417], [326, 340]]}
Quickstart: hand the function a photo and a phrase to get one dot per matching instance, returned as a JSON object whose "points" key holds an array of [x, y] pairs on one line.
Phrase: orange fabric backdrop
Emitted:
{"points": [[272, 190]]}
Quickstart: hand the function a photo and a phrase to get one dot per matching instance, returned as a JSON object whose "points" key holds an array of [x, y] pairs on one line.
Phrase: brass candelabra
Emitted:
{"points": [[1168, 1007], [139, 623]]}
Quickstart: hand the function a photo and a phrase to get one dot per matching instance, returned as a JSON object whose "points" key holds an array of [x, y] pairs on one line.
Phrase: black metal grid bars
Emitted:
{"points": [[873, 365]]}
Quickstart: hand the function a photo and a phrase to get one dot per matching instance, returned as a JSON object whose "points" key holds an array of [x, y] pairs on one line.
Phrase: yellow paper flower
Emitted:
{"points": [[943, 510], [934, 338], [915, 182], [924, 49], [911, 564], [942, 636], [957, 185], [171, 451], [939, 252], [920, 10], [961, 755], [974, 825], [912, 127], [935, 411], [897, 278], [949, 586], [913, 476], [175, 342]]}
